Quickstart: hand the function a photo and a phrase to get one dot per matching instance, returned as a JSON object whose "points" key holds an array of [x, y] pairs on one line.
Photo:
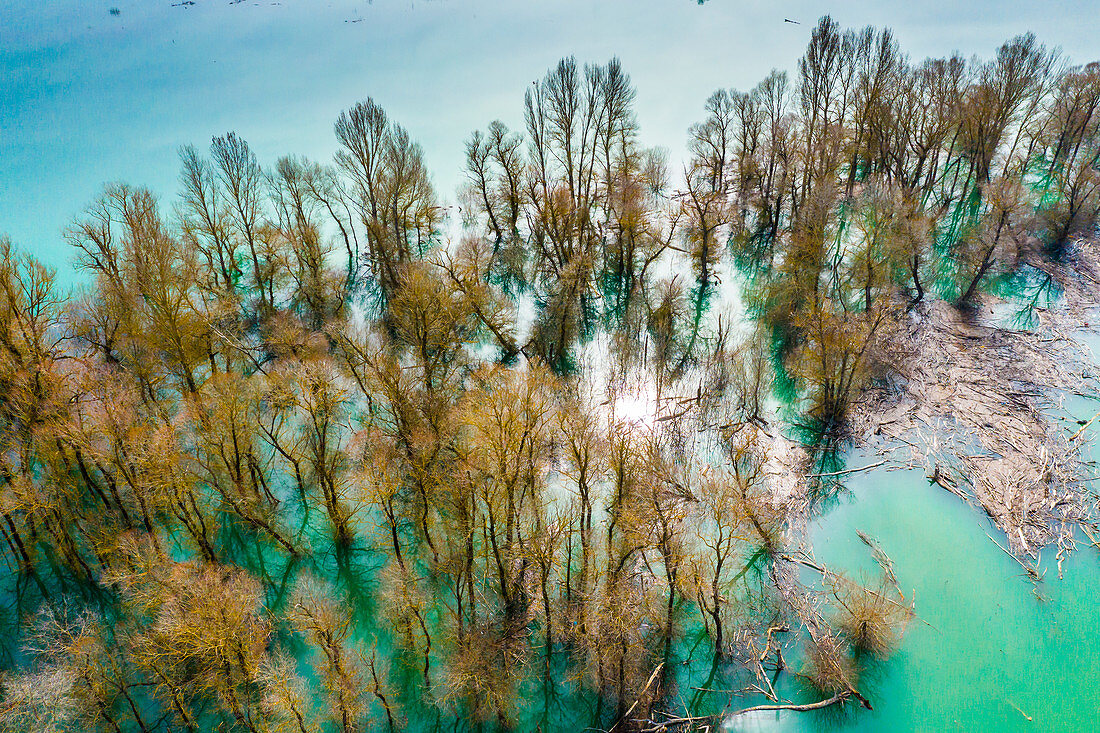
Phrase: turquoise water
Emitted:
{"points": [[88, 97], [990, 650], [989, 647]]}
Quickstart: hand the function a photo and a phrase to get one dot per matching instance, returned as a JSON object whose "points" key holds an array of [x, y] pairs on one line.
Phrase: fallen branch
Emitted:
{"points": [[1031, 571], [641, 694], [847, 470], [837, 698], [1090, 535], [1018, 709], [663, 726], [1083, 428], [946, 483]]}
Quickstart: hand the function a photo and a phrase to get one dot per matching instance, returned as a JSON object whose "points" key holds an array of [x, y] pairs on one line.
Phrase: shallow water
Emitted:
{"points": [[990, 650]]}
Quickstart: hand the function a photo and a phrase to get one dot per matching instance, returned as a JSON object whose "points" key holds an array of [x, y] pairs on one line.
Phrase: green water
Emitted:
{"points": [[989, 648]]}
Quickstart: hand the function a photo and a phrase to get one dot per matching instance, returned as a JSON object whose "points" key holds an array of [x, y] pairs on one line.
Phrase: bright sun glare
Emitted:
{"points": [[637, 409]]}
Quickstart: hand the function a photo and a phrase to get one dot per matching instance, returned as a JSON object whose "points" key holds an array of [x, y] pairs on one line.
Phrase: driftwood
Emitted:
{"points": [[847, 470], [835, 699], [970, 397], [690, 721], [944, 482], [1083, 428]]}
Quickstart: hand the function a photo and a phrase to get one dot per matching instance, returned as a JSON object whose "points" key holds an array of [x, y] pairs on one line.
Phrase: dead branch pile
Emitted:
{"points": [[975, 398]]}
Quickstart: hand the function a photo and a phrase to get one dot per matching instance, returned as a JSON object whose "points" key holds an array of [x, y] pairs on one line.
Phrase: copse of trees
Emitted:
{"points": [[900, 180], [293, 461]]}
